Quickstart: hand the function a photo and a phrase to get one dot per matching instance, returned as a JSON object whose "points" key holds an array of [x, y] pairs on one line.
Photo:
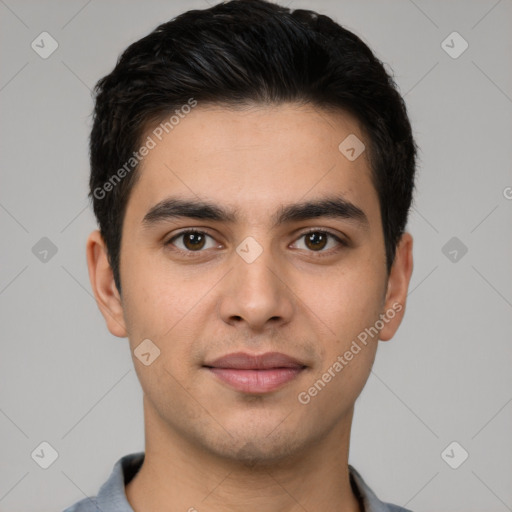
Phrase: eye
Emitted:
{"points": [[318, 241], [192, 241]]}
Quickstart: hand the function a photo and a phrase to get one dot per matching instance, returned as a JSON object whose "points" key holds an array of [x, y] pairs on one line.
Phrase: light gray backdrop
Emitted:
{"points": [[446, 377]]}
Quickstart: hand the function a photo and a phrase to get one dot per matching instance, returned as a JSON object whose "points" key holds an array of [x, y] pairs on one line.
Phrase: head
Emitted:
{"points": [[230, 121]]}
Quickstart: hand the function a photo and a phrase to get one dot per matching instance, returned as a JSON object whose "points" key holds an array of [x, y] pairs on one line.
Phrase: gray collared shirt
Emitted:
{"points": [[112, 495]]}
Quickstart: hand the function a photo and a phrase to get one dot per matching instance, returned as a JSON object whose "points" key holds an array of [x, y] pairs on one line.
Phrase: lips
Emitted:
{"points": [[243, 361], [255, 373]]}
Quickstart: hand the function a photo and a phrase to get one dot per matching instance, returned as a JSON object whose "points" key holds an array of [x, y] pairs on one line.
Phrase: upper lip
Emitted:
{"points": [[245, 361]]}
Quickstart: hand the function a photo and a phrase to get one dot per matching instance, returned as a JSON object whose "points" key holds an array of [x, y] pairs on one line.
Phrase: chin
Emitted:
{"points": [[257, 450]]}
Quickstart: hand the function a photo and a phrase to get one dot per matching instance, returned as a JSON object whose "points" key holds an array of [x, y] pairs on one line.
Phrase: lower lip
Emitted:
{"points": [[256, 381]]}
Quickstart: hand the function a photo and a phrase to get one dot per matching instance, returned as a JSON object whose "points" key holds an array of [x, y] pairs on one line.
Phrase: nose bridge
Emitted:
{"points": [[254, 293]]}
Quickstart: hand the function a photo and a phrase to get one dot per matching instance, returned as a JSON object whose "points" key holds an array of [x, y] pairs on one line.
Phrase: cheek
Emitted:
{"points": [[352, 378], [152, 301], [347, 302], [164, 309]]}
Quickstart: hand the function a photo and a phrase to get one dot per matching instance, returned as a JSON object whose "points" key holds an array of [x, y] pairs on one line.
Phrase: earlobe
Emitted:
{"points": [[103, 285], [397, 289]]}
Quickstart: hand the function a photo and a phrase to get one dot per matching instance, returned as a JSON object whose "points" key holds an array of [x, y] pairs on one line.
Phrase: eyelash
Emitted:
{"points": [[320, 253]]}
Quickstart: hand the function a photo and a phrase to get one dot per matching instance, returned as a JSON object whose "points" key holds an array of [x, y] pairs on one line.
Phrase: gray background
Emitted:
{"points": [[446, 376]]}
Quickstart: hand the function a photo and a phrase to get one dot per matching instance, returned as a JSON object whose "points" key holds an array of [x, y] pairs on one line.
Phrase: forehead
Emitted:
{"points": [[255, 159]]}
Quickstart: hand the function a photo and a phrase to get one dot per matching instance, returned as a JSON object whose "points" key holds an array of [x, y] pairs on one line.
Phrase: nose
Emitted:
{"points": [[255, 293]]}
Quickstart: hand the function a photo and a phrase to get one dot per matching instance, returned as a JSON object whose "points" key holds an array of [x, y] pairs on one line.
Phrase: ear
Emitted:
{"points": [[103, 285], [398, 285]]}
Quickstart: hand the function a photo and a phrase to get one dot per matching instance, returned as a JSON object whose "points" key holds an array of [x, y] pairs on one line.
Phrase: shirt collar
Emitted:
{"points": [[112, 495]]}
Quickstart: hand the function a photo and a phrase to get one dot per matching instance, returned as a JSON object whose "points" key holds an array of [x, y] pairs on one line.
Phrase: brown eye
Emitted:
{"points": [[319, 241], [191, 241], [316, 241]]}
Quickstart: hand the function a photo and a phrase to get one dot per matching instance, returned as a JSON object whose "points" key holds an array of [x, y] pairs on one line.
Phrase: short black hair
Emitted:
{"points": [[240, 53]]}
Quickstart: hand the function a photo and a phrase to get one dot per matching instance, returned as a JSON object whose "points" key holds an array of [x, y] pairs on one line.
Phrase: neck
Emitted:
{"points": [[180, 475]]}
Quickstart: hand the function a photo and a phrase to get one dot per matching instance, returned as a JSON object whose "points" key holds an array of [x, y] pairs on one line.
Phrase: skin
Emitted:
{"points": [[209, 446]]}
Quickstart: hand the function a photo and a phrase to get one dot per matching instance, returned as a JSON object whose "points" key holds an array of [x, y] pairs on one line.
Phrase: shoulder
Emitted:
{"points": [[367, 497], [111, 495], [85, 505], [395, 508]]}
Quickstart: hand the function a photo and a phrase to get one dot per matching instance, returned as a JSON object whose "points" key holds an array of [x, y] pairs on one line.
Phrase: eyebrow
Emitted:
{"points": [[331, 207]]}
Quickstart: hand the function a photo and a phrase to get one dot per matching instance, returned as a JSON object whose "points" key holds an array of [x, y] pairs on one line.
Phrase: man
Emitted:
{"points": [[252, 169]]}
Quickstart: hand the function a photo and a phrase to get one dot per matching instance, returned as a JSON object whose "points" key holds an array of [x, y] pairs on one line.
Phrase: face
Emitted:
{"points": [[251, 232]]}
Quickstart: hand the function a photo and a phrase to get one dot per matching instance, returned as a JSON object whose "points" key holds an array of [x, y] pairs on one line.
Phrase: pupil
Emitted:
{"points": [[316, 240], [194, 241]]}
